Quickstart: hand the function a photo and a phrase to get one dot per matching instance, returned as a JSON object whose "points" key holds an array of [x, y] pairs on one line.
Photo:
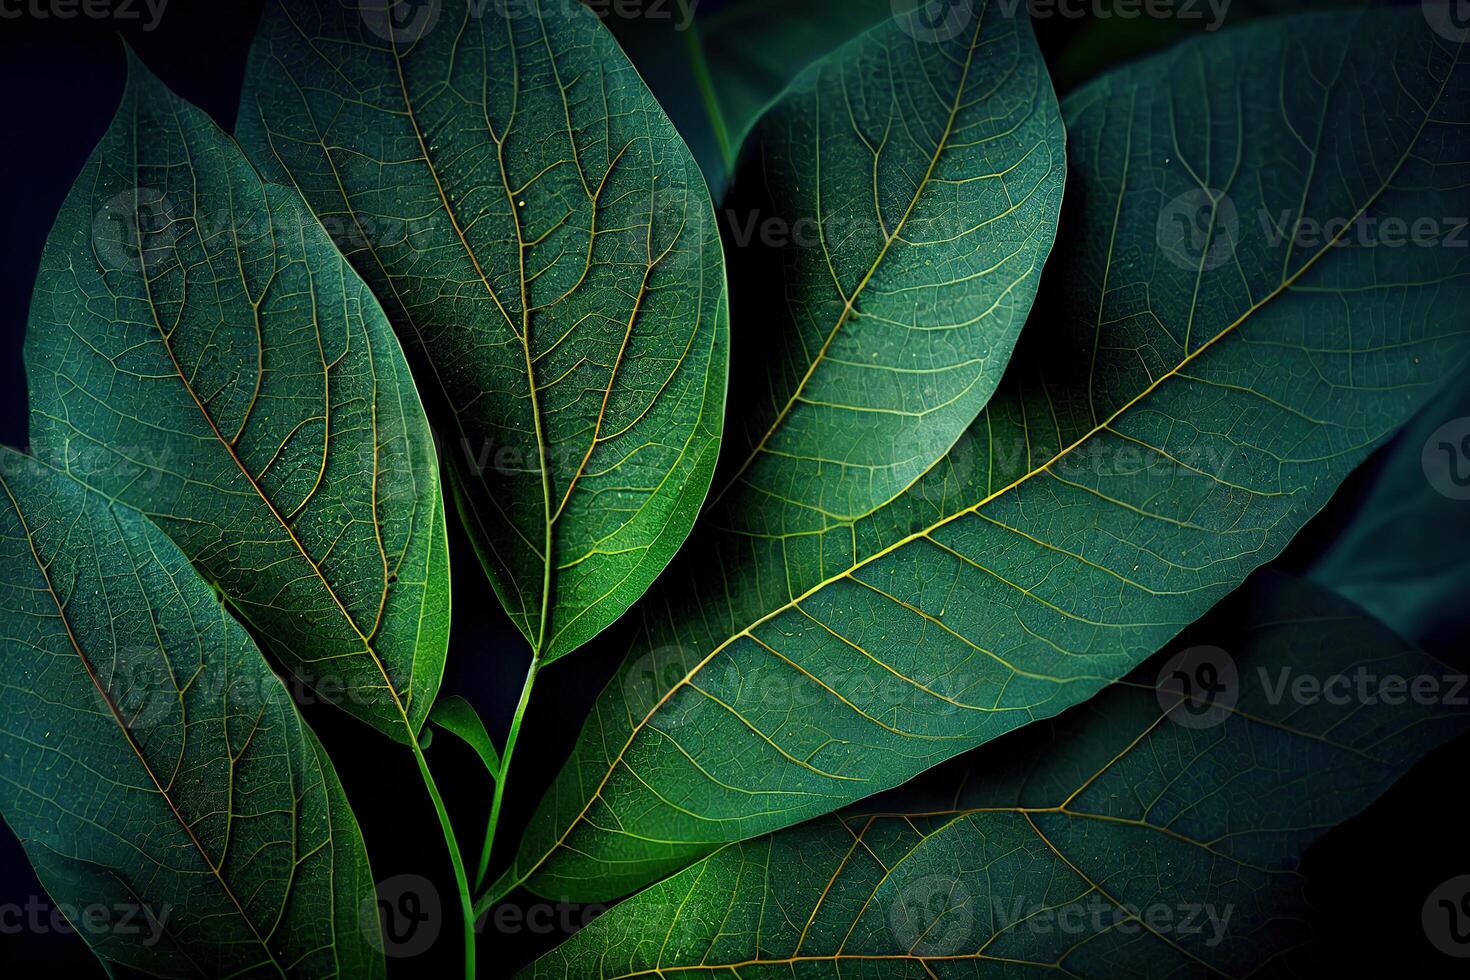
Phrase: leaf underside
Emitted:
{"points": [[1173, 416], [545, 247], [152, 764], [1122, 839], [200, 351]]}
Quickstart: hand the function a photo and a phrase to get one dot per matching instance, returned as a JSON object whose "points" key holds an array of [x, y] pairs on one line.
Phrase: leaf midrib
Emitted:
{"points": [[959, 814], [1326, 248], [850, 302], [165, 339], [127, 734]]}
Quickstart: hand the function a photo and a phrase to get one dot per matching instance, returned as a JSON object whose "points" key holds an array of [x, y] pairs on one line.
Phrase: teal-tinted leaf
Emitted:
{"points": [[458, 717], [200, 351], [900, 200], [1123, 839], [1400, 553], [546, 249], [1166, 426], [153, 766]]}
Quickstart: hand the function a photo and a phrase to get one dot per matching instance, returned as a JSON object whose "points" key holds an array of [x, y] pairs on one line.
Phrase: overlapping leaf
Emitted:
{"points": [[1201, 375], [153, 766], [545, 246], [1400, 551], [200, 351], [1149, 833], [899, 201]]}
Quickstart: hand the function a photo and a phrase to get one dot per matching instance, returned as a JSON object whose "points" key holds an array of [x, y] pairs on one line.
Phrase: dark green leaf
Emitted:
{"points": [[1177, 411], [1400, 553], [151, 764], [458, 717], [899, 202], [545, 246], [1148, 833], [200, 351]]}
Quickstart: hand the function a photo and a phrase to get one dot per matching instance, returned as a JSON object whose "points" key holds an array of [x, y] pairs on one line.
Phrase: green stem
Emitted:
{"points": [[705, 81], [461, 880], [505, 756]]}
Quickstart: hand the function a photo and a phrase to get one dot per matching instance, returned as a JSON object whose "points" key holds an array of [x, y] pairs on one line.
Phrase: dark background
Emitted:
{"points": [[61, 80]]}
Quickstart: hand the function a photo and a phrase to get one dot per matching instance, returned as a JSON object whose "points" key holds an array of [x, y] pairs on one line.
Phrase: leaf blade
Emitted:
{"points": [[1127, 475], [198, 350], [917, 177], [119, 651], [580, 360], [1118, 837]]}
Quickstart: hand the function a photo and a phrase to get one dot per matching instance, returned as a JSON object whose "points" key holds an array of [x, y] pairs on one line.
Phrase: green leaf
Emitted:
{"points": [[546, 249], [1400, 552], [200, 351], [151, 764], [458, 717], [1168, 423], [900, 200], [1130, 837]]}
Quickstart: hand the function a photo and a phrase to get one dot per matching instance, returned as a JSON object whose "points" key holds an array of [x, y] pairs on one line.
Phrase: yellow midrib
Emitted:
{"points": [[1326, 248]]}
